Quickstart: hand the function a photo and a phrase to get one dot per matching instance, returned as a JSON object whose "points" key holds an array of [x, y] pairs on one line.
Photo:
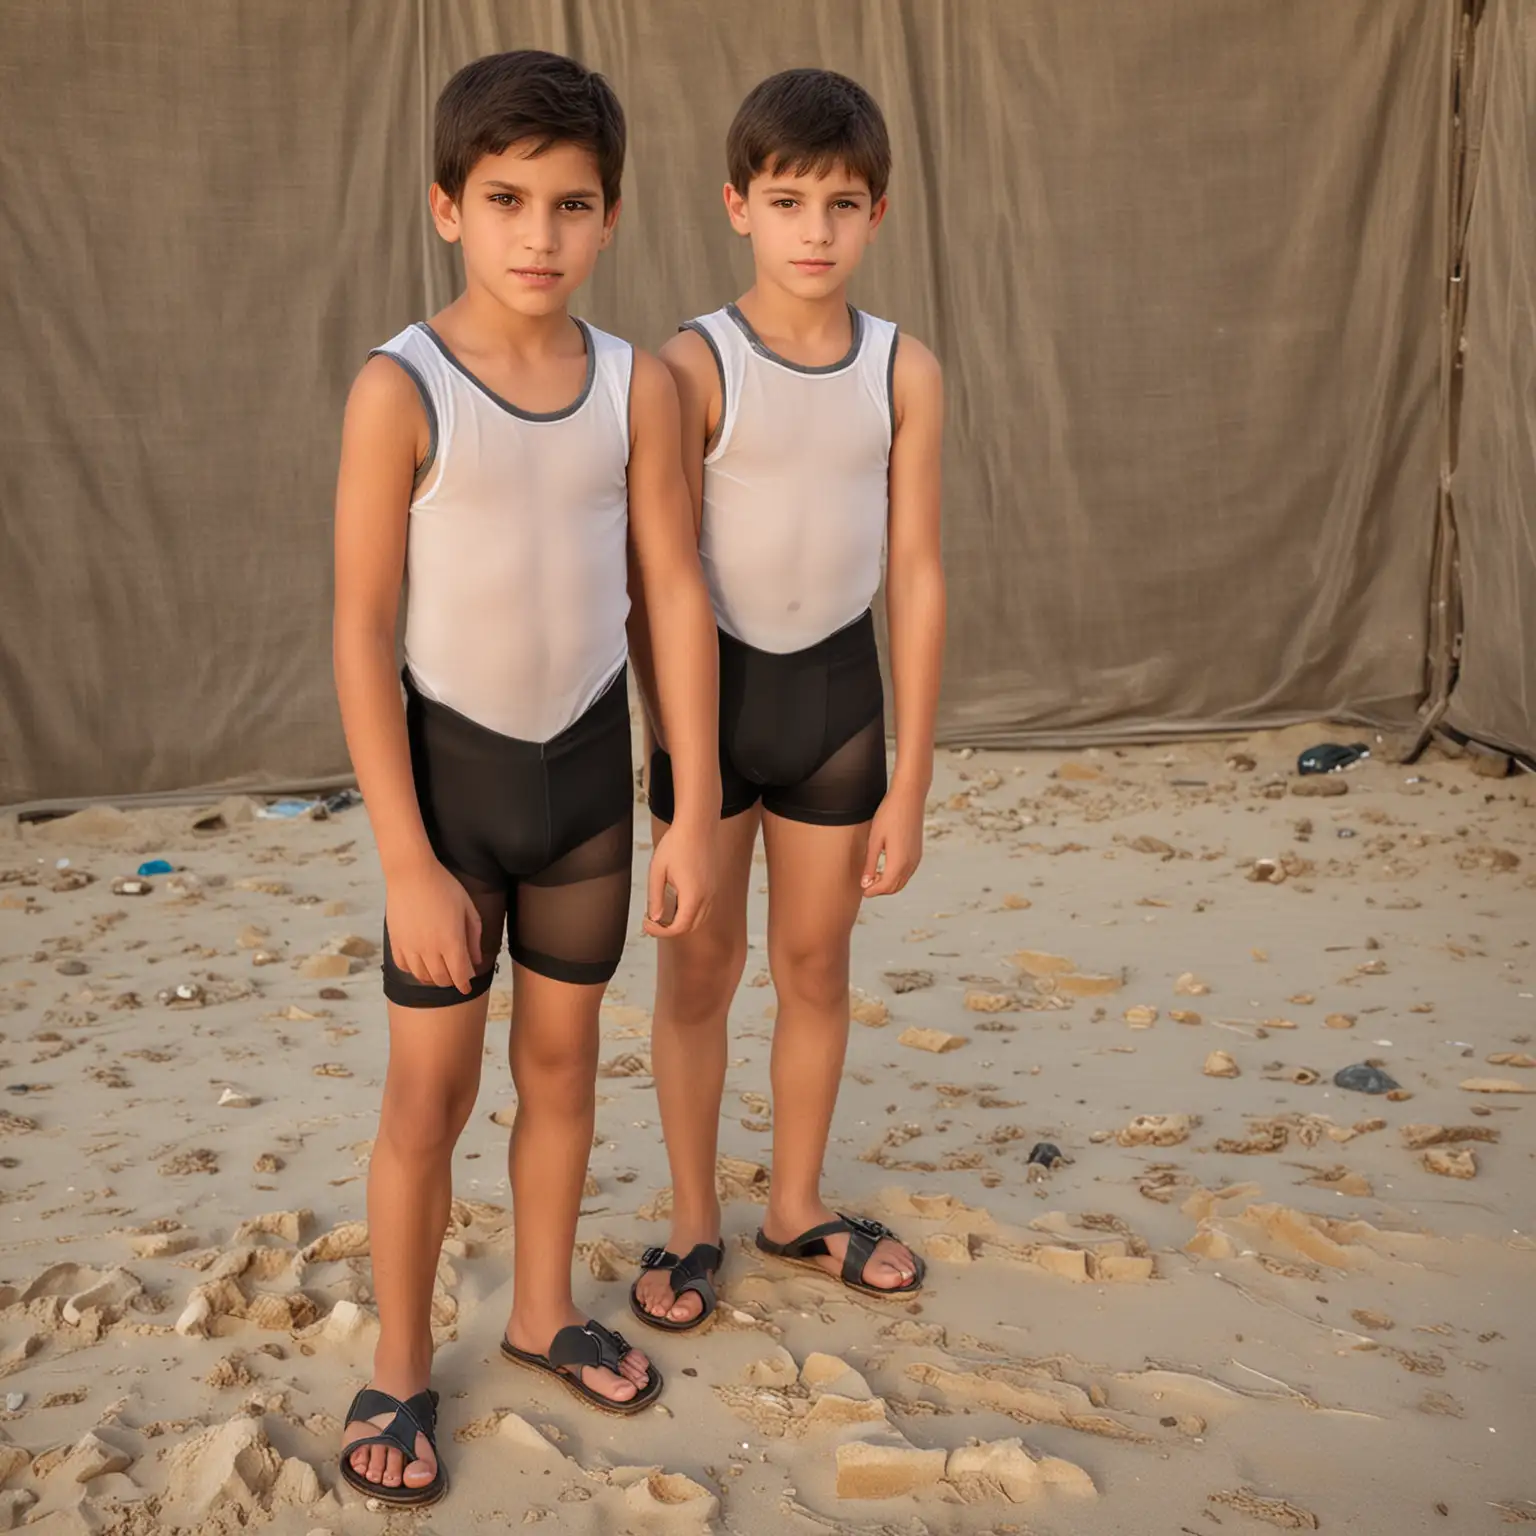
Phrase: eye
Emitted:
{"points": [[576, 205], [783, 202], [504, 199], [844, 202]]}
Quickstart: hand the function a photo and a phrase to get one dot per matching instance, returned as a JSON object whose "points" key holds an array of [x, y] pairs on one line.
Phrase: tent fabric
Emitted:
{"points": [[1183, 265], [1494, 485]]}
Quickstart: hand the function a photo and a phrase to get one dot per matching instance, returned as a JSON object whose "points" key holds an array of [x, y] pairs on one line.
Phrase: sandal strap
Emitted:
{"points": [[590, 1343], [864, 1236], [811, 1244], [697, 1273], [419, 1412], [658, 1258]]}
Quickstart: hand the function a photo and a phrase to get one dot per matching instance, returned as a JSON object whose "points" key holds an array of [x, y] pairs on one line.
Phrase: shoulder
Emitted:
{"points": [[917, 381], [690, 352], [384, 392], [653, 397]]}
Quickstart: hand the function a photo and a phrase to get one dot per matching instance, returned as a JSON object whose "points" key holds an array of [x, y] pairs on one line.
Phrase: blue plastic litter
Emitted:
{"points": [[286, 810], [156, 867]]}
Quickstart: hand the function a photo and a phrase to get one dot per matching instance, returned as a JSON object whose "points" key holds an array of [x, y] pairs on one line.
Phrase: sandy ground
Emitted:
{"points": [[1262, 1310]]}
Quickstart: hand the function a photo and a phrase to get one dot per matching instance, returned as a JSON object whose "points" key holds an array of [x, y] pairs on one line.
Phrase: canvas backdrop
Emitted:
{"points": [[1185, 265]]}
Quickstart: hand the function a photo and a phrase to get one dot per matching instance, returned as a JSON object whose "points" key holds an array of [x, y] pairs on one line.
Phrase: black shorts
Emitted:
{"points": [[803, 732], [541, 835]]}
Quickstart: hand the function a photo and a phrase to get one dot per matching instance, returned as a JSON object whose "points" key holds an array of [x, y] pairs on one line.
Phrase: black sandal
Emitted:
{"points": [[695, 1273], [581, 1345], [863, 1236], [420, 1412]]}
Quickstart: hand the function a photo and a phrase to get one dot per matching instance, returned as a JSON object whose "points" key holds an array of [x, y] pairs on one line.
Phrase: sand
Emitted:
{"points": [[1232, 1297]]}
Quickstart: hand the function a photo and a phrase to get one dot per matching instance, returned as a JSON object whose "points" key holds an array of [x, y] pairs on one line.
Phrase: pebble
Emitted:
{"points": [[14, 1400], [71, 967]]}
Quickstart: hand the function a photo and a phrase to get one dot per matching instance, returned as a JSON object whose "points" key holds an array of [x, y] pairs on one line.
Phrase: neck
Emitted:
{"points": [[499, 326], [772, 308]]}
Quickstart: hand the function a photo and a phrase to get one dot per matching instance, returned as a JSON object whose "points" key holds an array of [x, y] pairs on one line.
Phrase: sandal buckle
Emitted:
{"points": [[868, 1227], [653, 1258]]}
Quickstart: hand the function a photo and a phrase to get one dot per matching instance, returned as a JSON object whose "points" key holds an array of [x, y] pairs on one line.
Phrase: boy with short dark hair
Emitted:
{"points": [[811, 445], [521, 468]]}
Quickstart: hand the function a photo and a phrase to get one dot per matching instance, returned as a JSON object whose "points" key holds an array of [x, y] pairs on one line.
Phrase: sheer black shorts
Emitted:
{"points": [[803, 732], [541, 835]]}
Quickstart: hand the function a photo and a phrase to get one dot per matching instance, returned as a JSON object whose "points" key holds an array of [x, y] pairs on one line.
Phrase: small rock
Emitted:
{"points": [[1141, 1016], [71, 967], [269, 1162], [674, 1496], [869, 1011], [1362, 1077], [348, 1322], [1047, 1155], [989, 1002], [234, 1098], [1491, 765], [1156, 1131], [908, 981], [131, 887], [333, 995], [356, 948], [1007, 1465], [92, 1457], [297, 1485], [325, 967], [1451, 1162], [1320, 785], [1190, 985], [14, 1401], [936, 1040], [1339, 1021], [1220, 1064], [1267, 872], [1495, 1085], [867, 1471]]}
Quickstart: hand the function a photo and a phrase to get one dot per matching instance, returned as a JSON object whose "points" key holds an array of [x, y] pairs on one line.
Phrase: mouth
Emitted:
{"points": [[811, 265], [537, 274]]}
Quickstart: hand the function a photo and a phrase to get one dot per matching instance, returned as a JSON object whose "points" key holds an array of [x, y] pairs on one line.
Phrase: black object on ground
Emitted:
{"points": [[1363, 1078], [1047, 1154], [1330, 757]]}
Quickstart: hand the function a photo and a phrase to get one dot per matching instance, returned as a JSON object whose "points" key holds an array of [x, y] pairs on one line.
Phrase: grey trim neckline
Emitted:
{"points": [[762, 348], [506, 405]]}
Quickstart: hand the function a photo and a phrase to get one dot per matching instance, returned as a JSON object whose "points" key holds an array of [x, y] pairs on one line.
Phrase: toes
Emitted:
{"points": [[392, 1469], [636, 1367]]}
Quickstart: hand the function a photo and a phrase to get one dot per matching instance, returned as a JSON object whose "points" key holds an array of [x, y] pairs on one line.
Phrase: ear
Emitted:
{"points": [[445, 214], [877, 215], [610, 222], [736, 209]]}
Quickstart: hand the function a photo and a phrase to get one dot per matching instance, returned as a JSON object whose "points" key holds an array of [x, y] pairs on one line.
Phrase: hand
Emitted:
{"points": [[434, 929], [897, 834], [684, 860]]}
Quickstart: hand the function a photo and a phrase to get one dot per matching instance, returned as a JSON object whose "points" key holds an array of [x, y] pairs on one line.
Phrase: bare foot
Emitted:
{"points": [[654, 1288], [890, 1267], [384, 1465], [634, 1369]]}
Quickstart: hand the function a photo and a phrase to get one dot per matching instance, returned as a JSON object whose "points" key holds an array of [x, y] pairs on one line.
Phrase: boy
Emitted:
{"points": [[811, 443], [517, 464]]}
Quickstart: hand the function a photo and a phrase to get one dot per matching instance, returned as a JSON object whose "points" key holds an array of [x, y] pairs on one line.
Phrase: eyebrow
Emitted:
{"points": [[799, 192], [512, 186]]}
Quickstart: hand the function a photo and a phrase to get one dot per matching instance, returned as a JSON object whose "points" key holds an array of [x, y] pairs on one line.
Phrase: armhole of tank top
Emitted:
{"points": [[629, 403], [890, 380], [716, 439], [413, 373]]}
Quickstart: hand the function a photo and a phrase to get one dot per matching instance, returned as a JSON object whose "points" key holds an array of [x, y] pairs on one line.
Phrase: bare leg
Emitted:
{"points": [[814, 896], [554, 1067], [429, 1091], [696, 978]]}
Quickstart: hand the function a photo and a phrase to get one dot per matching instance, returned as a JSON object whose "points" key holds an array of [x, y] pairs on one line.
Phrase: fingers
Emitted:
{"points": [[871, 876], [656, 891], [460, 968], [892, 879]]}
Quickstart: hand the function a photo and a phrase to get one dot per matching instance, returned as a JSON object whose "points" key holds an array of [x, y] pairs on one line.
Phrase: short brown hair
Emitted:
{"points": [[809, 120], [529, 94]]}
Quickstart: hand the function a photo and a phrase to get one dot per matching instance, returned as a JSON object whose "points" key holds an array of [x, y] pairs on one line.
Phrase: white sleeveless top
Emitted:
{"points": [[795, 484], [516, 555]]}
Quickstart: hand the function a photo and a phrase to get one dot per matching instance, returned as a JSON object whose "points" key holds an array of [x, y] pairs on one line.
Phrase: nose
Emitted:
{"points": [[539, 231], [818, 226]]}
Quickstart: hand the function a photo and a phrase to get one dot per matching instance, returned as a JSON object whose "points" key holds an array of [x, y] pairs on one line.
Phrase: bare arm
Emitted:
{"points": [[692, 366], [680, 628], [383, 437], [915, 607]]}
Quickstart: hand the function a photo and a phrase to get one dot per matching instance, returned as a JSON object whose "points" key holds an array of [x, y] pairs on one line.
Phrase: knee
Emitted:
{"points": [[815, 974], [701, 976], [557, 1081], [424, 1117]]}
